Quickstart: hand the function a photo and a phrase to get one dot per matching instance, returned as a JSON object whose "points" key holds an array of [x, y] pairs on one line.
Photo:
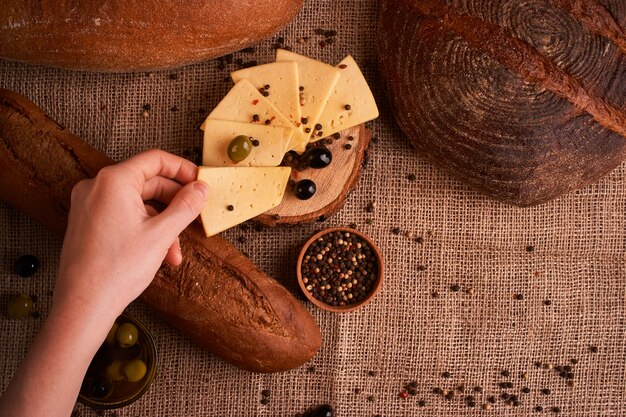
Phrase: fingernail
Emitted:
{"points": [[202, 189]]}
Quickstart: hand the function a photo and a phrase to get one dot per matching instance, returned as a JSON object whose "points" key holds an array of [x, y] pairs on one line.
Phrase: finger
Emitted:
{"points": [[160, 189], [183, 209], [155, 162], [174, 256]]}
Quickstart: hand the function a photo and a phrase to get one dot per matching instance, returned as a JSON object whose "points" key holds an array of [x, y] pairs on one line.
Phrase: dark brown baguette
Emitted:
{"points": [[523, 101], [129, 35], [217, 296]]}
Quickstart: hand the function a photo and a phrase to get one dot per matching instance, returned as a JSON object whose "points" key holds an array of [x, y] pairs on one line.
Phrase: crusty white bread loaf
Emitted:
{"points": [[217, 296], [131, 35]]}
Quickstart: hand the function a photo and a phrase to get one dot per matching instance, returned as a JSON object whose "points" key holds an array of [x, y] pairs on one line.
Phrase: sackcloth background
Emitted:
{"points": [[406, 334]]}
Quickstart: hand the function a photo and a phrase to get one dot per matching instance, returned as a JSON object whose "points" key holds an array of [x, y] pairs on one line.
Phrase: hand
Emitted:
{"points": [[114, 243]]}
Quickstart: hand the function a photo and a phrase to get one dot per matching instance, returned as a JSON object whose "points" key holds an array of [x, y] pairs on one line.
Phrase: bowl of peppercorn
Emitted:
{"points": [[340, 269], [123, 368]]}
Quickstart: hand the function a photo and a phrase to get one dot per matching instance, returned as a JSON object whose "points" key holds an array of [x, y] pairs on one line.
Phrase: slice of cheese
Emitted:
{"points": [[272, 143], [351, 90], [242, 102], [237, 194], [317, 81], [282, 79]]}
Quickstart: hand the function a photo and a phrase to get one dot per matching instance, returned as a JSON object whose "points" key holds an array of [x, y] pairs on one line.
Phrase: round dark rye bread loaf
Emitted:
{"points": [[523, 100], [131, 35]]}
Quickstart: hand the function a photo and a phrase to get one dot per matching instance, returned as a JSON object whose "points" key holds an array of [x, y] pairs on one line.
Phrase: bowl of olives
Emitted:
{"points": [[123, 368]]}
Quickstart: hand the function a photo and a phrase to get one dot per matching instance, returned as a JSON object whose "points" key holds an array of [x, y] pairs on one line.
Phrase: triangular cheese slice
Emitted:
{"points": [[272, 143], [282, 79], [242, 103], [317, 81], [237, 194], [351, 102]]}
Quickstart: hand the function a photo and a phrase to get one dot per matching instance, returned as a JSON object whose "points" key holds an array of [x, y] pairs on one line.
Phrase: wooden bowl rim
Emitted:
{"points": [[341, 309]]}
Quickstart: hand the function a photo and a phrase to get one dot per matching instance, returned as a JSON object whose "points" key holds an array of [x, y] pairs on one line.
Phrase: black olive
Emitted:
{"points": [[304, 189], [324, 410], [318, 157], [100, 389], [26, 265]]}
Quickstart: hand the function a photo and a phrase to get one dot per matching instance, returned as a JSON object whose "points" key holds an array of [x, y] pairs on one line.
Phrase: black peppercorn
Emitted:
{"points": [[347, 107], [455, 287], [546, 391], [230, 207]]}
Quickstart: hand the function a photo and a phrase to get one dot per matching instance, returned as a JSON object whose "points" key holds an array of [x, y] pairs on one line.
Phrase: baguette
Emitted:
{"points": [[121, 35], [217, 296]]}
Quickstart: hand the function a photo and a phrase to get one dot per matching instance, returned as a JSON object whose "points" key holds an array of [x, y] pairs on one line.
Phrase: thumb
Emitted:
{"points": [[183, 209]]}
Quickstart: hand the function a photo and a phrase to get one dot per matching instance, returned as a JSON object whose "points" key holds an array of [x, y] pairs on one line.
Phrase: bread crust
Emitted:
{"points": [[132, 35], [217, 296], [522, 101]]}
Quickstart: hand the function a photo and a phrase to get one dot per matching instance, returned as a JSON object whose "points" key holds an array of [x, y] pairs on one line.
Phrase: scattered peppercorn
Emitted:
{"points": [[491, 399], [538, 409], [526, 390], [395, 230], [336, 135], [519, 297], [255, 142], [455, 287], [434, 294], [268, 121], [371, 398], [593, 349], [574, 361], [265, 401], [411, 177], [347, 146], [555, 410], [505, 373], [437, 391], [546, 391], [478, 389], [530, 248], [421, 403], [173, 76], [255, 118], [347, 107], [230, 207], [445, 374], [372, 373]]}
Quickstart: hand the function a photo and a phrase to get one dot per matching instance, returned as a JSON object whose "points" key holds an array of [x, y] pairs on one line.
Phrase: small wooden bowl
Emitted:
{"points": [[347, 308]]}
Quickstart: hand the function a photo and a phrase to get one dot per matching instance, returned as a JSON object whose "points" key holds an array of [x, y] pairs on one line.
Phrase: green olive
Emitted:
{"points": [[127, 335], [135, 370], [111, 335], [239, 148], [20, 306], [114, 371]]}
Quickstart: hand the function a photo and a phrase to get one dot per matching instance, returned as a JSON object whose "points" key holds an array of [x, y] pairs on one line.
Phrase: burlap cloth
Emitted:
{"points": [[406, 334]]}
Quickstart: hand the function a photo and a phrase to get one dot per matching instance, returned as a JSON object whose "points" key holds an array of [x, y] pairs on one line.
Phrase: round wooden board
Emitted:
{"points": [[334, 182]]}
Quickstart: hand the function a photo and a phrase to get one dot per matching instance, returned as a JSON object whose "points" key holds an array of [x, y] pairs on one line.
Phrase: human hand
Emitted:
{"points": [[114, 243]]}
